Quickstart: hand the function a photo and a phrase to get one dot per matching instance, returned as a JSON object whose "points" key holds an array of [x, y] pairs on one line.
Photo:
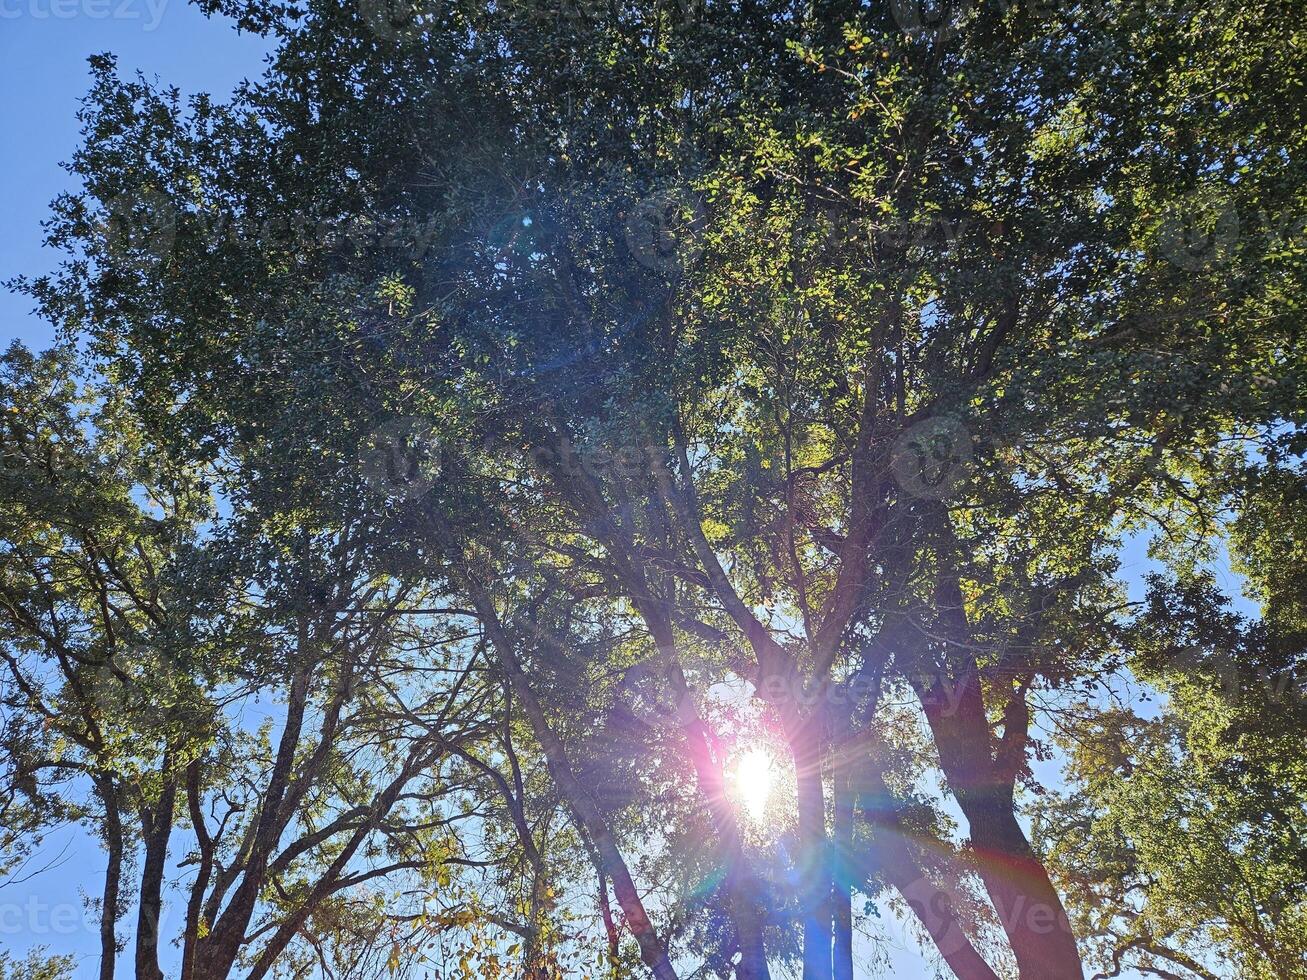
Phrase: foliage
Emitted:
{"points": [[36, 966], [548, 403]]}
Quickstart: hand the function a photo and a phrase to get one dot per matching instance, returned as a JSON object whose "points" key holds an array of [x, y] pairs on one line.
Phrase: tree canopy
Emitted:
{"points": [[487, 447]]}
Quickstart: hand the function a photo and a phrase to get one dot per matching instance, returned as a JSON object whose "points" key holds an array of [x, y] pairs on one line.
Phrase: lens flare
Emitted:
{"points": [[754, 775]]}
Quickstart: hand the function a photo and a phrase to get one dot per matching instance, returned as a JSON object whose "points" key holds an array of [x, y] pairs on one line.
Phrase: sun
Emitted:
{"points": [[754, 776]]}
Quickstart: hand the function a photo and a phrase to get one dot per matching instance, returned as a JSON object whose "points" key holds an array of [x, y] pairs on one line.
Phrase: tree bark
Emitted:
{"points": [[814, 858], [156, 830], [216, 954], [201, 883], [1028, 906], [610, 927], [842, 880], [894, 859], [113, 839], [981, 772]]}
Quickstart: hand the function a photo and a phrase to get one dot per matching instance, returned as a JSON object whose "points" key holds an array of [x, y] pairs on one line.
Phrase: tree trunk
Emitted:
{"points": [[113, 840], [1028, 906], [814, 858], [610, 928], [981, 772], [156, 829], [842, 880], [205, 872], [895, 860], [216, 954]]}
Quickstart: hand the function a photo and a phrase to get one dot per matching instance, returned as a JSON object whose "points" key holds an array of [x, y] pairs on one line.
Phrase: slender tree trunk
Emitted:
{"points": [[531, 948], [895, 859], [216, 954], [741, 895], [842, 880], [328, 881], [748, 920], [610, 927], [113, 840], [560, 768], [745, 912], [157, 831], [934, 911], [814, 858], [205, 872]]}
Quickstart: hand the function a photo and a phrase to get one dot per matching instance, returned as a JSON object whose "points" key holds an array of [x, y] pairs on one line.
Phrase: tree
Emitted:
{"points": [[140, 631], [1180, 846], [802, 348]]}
